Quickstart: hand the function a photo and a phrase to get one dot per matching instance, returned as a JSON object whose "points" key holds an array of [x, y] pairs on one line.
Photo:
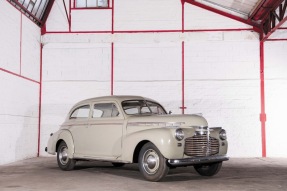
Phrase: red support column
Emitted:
{"points": [[262, 95], [112, 51], [182, 15], [113, 15], [182, 60], [40, 100], [21, 31], [182, 79], [112, 69], [70, 15]]}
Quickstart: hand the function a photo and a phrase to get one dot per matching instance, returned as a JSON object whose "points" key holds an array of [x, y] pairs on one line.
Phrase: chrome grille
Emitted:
{"points": [[201, 145]]}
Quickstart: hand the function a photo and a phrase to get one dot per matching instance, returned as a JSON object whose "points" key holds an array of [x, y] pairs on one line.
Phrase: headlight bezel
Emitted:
{"points": [[222, 134], [179, 134]]}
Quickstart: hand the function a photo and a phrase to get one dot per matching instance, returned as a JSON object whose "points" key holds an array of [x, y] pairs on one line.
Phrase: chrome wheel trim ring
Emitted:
{"points": [[150, 161], [63, 155]]}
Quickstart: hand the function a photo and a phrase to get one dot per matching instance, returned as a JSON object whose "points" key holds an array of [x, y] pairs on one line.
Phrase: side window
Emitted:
{"points": [[103, 110], [81, 112]]}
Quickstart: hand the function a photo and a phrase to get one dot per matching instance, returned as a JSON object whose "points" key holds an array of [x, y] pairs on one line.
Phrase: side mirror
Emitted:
{"points": [[169, 112]]}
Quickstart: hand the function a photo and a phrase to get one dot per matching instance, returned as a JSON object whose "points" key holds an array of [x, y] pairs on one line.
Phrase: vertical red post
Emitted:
{"points": [[113, 15], [21, 31], [262, 95], [40, 100], [112, 69], [182, 78], [182, 15], [182, 59], [112, 51], [70, 15]]}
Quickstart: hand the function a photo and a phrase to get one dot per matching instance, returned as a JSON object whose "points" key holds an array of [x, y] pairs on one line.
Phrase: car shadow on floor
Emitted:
{"points": [[132, 171]]}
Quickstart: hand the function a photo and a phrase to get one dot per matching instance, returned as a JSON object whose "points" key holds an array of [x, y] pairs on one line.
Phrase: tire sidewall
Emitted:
{"points": [[208, 169], [71, 162], [163, 168]]}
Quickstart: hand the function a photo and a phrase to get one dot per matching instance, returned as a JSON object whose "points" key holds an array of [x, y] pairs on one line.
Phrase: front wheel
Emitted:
{"points": [[208, 169], [64, 162], [152, 164]]}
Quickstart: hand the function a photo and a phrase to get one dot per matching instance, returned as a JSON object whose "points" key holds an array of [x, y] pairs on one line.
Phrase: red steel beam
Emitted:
{"points": [[40, 101], [113, 16], [277, 39], [18, 75], [21, 39], [264, 38], [25, 10], [112, 69], [258, 6], [182, 15], [150, 31], [70, 15], [262, 97], [47, 12], [182, 79]]}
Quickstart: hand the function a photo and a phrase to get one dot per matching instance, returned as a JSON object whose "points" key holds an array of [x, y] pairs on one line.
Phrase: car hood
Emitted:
{"points": [[168, 120]]}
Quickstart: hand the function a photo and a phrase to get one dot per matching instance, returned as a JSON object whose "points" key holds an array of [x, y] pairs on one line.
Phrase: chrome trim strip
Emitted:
{"points": [[197, 160], [106, 123], [146, 124], [164, 124]]}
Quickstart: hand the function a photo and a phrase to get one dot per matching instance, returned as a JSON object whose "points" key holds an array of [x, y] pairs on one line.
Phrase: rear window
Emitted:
{"points": [[81, 112]]}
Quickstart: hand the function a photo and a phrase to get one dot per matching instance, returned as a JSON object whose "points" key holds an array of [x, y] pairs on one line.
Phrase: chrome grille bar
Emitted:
{"points": [[201, 145]]}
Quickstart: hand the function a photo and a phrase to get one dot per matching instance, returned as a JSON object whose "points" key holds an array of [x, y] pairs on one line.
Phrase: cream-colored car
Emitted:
{"points": [[134, 129]]}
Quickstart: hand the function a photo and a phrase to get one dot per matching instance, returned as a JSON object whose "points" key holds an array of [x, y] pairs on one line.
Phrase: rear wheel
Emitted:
{"points": [[208, 169], [64, 162], [152, 164]]}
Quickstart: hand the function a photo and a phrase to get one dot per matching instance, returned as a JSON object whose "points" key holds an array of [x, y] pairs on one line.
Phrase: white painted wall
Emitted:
{"points": [[19, 98], [222, 83], [276, 94], [221, 71], [221, 68]]}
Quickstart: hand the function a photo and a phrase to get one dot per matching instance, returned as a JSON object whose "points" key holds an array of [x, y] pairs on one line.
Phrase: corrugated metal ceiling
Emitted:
{"points": [[242, 7], [266, 16]]}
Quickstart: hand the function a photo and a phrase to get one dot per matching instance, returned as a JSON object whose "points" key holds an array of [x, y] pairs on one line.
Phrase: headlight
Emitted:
{"points": [[222, 134], [179, 134]]}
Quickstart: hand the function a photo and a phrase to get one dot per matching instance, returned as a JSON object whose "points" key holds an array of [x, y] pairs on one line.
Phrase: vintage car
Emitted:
{"points": [[134, 129]]}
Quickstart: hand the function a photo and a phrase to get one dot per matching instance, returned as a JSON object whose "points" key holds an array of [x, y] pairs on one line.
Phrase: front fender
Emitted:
{"points": [[162, 138], [61, 135]]}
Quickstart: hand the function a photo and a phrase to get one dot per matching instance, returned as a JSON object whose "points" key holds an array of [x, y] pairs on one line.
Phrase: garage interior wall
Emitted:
{"points": [[182, 56], [276, 94], [147, 55], [19, 83]]}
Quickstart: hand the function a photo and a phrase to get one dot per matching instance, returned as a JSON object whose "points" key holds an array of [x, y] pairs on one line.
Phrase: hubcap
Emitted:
{"points": [[63, 155], [150, 161]]}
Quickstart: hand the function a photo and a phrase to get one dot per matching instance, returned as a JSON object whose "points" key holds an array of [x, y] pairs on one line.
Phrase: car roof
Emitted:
{"points": [[117, 98]]}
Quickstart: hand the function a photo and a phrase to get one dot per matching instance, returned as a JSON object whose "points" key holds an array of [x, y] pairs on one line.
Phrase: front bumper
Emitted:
{"points": [[197, 160]]}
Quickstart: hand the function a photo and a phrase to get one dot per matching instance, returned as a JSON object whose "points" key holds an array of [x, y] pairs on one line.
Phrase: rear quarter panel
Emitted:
{"points": [[61, 135]]}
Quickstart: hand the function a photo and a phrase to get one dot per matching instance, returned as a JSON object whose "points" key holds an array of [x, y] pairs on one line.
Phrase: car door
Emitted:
{"points": [[79, 122], [105, 130]]}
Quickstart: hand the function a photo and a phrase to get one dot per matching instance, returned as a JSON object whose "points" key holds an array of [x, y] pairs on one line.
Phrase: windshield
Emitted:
{"points": [[142, 107]]}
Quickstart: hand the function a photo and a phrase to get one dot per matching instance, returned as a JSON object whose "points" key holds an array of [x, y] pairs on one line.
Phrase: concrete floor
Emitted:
{"points": [[42, 174]]}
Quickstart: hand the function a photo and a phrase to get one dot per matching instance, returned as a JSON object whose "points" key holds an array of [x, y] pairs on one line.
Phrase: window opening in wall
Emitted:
{"points": [[33, 9], [92, 3]]}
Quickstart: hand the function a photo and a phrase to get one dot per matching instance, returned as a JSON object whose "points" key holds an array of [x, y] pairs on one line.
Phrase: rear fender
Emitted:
{"points": [[56, 138]]}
